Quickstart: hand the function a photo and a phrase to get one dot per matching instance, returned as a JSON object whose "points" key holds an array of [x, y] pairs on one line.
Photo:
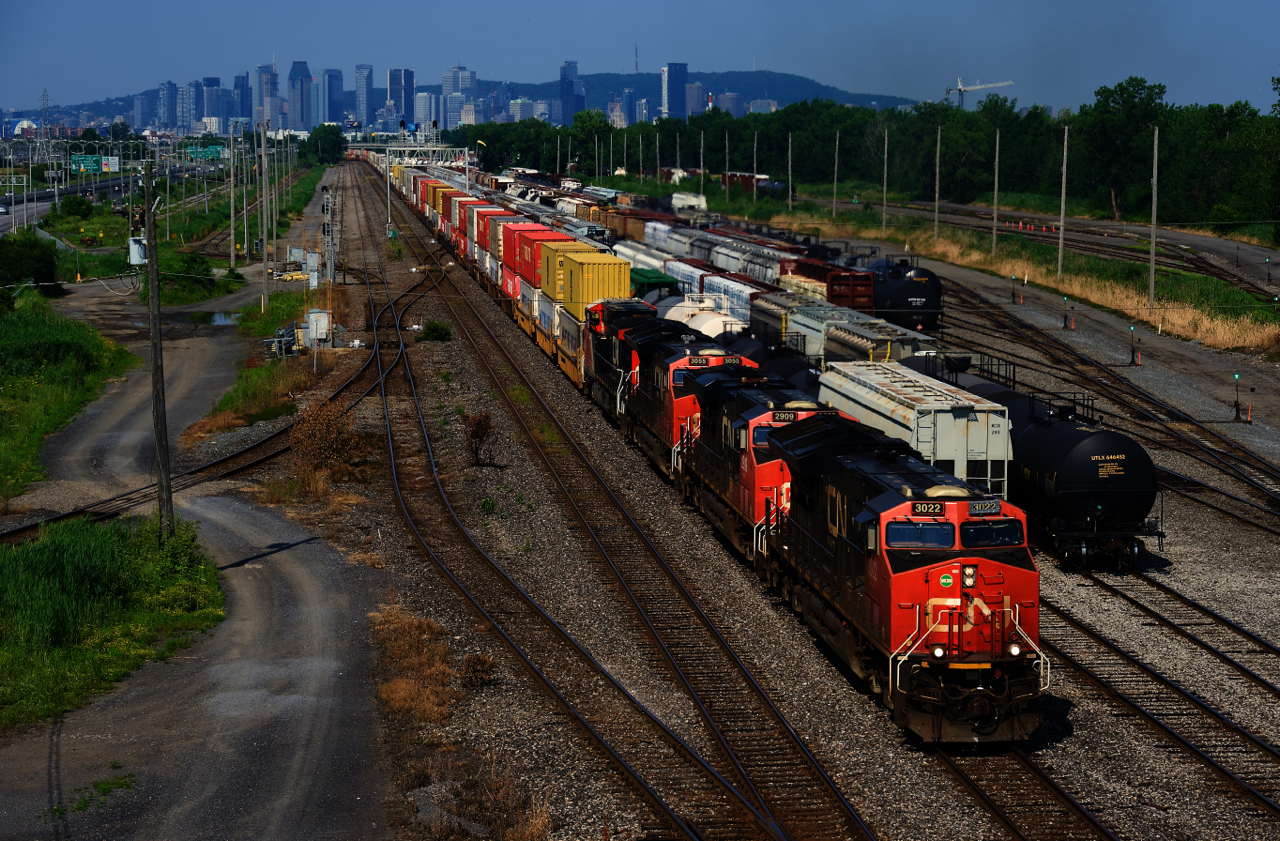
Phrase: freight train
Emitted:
{"points": [[921, 581]]}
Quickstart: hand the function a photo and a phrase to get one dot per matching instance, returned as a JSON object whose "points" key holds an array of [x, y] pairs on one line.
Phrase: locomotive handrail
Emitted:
{"points": [[1045, 673], [902, 658]]}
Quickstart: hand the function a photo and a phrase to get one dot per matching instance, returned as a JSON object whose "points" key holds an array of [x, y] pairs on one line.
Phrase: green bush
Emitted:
{"points": [[77, 206], [84, 604], [435, 331]]}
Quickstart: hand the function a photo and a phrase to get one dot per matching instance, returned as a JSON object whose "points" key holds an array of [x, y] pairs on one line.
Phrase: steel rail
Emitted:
{"points": [[621, 509], [1002, 799], [1236, 736], [656, 800]]}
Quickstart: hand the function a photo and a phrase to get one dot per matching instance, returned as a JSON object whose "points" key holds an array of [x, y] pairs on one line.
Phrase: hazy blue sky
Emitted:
{"points": [[1057, 52]]}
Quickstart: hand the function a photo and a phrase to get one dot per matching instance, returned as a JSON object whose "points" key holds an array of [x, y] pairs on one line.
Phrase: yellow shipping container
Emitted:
{"points": [[553, 268], [591, 277]]}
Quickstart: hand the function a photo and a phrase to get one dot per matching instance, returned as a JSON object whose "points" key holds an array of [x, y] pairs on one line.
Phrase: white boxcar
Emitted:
{"points": [[688, 277], [639, 256], [655, 234], [959, 432]]}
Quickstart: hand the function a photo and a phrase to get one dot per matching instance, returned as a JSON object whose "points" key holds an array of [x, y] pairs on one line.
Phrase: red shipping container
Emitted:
{"points": [[511, 245], [510, 283], [482, 224], [530, 262], [459, 220]]}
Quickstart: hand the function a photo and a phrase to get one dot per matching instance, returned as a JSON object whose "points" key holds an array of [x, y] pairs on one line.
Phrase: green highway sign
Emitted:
{"points": [[206, 153], [86, 163]]}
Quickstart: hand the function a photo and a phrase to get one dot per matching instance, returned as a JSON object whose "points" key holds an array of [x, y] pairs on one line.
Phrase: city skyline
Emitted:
{"points": [[1054, 55]]}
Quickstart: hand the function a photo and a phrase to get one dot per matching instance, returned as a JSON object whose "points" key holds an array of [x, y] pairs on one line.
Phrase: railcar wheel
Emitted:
{"points": [[796, 604]]}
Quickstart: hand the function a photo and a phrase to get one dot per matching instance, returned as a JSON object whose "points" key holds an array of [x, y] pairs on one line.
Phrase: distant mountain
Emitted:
{"points": [[784, 88]]}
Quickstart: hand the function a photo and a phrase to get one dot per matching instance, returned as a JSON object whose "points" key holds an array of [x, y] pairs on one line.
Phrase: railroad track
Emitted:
{"points": [[215, 242], [693, 799], [1245, 763], [763, 753], [1021, 797], [1159, 421], [1252, 657], [1176, 258]]}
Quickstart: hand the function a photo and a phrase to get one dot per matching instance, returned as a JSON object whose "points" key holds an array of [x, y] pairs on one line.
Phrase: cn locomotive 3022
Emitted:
{"points": [[924, 585]]}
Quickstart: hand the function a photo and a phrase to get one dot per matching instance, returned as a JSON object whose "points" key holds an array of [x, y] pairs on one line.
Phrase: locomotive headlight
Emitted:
{"points": [[1014, 649], [939, 652], [970, 576]]}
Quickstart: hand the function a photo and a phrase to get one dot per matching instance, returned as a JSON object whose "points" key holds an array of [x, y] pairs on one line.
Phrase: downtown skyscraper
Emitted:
{"points": [[364, 95]]}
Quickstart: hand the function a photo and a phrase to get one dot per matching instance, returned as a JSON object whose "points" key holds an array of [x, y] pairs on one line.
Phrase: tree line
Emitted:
{"points": [[1219, 164]]}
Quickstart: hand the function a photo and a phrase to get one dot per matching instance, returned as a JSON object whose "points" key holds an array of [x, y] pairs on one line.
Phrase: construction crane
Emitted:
{"points": [[960, 90]]}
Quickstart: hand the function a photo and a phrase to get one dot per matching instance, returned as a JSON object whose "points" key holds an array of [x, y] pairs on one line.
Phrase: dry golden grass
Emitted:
{"points": [[1177, 319], [275, 491], [534, 824], [339, 503], [212, 425], [1207, 232], [421, 666]]}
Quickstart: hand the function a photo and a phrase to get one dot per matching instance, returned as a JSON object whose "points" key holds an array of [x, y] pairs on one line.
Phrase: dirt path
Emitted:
{"points": [[266, 729]]}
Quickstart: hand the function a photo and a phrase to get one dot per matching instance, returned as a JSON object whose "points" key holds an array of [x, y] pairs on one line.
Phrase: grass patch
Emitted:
{"points": [[265, 387], [1190, 306], [85, 604], [520, 395], [50, 368], [282, 308], [547, 434], [100, 230], [1034, 203], [188, 279]]}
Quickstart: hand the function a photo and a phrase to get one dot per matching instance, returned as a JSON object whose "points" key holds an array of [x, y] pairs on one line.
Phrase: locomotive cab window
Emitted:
{"points": [[978, 534], [913, 535], [677, 376]]}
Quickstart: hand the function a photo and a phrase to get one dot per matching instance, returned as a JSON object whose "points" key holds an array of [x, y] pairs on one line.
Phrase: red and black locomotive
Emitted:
{"points": [[923, 584]]}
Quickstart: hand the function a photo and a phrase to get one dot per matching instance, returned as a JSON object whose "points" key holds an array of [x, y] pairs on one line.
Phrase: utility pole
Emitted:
{"points": [[835, 175], [995, 197], [726, 165], [387, 171], [702, 163], [1155, 183], [755, 162], [263, 203], [1062, 213], [657, 156], [233, 200], [558, 156], [244, 194], [884, 190], [159, 422], [937, 181], [789, 190]]}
